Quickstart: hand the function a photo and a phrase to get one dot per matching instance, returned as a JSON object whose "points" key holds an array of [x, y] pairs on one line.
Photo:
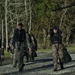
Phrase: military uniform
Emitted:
{"points": [[0, 53], [57, 54], [57, 48], [19, 42], [34, 45], [0, 57], [29, 51], [11, 47], [18, 54]]}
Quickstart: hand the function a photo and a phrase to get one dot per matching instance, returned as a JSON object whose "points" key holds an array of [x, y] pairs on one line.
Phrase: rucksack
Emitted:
{"points": [[67, 57]]}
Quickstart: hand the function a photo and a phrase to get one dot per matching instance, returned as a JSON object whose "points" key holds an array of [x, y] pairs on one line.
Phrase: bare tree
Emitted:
{"points": [[26, 13], [6, 25], [30, 11], [2, 34]]}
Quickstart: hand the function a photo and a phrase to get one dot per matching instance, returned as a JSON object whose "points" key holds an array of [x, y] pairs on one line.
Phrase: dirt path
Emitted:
{"points": [[42, 66]]}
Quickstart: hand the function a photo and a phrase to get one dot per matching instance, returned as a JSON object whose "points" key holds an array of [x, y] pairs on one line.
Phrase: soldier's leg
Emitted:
{"points": [[0, 61], [0, 58], [20, 61], [15, 57], [1, 55], [11, 55], [61, 56], [21, 58], [27, 55], [55, 57], [31, 55]]}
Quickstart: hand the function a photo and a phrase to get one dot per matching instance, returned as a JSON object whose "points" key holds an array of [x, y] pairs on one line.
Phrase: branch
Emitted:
{"points": [[70, 6]]}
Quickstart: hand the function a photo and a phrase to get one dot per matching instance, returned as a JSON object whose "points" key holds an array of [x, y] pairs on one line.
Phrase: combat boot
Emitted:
{"points": [[54, 69], [61, 66], [21, 69]]}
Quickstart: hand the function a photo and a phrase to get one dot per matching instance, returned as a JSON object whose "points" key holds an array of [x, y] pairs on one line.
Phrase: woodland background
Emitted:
{"points": [[38, 17]]}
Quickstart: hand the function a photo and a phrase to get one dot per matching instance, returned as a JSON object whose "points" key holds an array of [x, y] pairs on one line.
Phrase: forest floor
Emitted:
{"points": [[42, 65]]}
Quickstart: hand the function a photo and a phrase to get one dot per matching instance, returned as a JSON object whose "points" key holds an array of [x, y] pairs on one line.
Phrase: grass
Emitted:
{"points": [[69, 48], [7, 54]]}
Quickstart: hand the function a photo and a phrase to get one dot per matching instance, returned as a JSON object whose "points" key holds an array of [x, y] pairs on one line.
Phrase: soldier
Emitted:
{"points": [[29, 51], [31, 47], [1, 52], [34, 45], [57, 47], [11, 47], [19, 40]]}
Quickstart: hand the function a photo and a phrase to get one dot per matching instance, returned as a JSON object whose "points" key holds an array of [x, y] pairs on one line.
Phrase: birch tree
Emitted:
{"points": [[6, 25], [2, 34], [30, 11]]}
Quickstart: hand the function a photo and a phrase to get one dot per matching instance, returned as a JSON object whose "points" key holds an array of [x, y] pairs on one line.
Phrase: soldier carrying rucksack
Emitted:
{"points": [[57, 47]]}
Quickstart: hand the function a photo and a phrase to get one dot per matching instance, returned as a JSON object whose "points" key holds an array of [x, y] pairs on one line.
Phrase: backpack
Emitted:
{"points": [[67, 57]]}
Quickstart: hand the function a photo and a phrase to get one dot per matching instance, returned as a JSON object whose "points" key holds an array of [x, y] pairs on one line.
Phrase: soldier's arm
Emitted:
{"points": [[14, 35], [14, 38], [35, 41]]}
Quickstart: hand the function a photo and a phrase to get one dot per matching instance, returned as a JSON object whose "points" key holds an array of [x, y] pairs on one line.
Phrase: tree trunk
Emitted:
{"points": [[44, 38], [30, 11], [6, 24], [26, 14], [2, 34]]}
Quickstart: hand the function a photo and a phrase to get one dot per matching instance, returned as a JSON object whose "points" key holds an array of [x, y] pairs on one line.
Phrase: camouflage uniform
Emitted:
{"points": [[11, 47], [0, 57], [1, 53], [32, 45], [19, 39], [29, 48], [18, 54], [57, 47], [57, 54]]}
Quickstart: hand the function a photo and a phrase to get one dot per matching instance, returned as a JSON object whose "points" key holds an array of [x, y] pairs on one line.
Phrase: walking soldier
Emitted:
{"points": [[19, 39], [31, 47], [57, 47], [34, 45]]}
